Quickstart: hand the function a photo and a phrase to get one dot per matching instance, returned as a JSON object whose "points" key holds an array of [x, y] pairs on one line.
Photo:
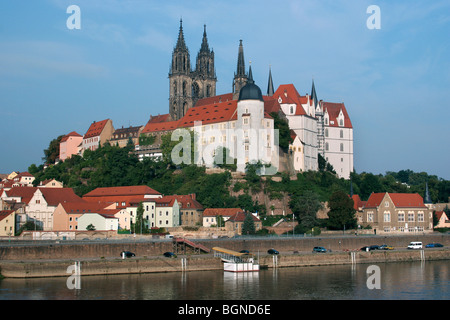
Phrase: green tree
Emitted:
{"points": [[305, 207], [52, 152], [284, 133], [342, 213], [139, 224], [90, 227], [248, 227]]}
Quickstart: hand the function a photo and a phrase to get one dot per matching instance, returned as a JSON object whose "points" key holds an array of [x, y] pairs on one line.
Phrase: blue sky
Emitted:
{"points": [[394, 80]]}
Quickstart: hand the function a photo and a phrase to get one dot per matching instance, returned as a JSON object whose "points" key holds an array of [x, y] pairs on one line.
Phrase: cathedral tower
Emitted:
{"points": [[240, 77], [204, 77], [187, 86]]}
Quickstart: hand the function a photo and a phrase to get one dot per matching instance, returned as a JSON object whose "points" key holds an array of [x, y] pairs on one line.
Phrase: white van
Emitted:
{"points": [[415, 245]]}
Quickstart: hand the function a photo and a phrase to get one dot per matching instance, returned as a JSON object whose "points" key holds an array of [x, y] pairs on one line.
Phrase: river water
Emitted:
{"points": [[428, 280]]}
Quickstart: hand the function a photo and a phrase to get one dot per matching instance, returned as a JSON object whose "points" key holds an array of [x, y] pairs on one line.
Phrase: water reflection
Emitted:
{"points": [[406, 281]]}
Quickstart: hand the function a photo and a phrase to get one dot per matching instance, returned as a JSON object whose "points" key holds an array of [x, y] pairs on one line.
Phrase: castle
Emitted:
{"points": [[240, 120]]}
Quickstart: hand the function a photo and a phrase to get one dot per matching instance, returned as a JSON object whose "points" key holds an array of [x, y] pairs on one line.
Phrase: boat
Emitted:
{"points": [[234, 261]]}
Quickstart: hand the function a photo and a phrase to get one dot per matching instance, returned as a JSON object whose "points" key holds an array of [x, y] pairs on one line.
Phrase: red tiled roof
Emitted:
{"points": [[83, 207], [5, 213], [401, 200], [122, 191], [96, 129], [214, 100], [55, 196], [240, 217], [25, 193], [71, 134], [358, 203], [333, 110], [186, 202], [289, 94], [166, 201], [228, 212], [160, 126], [160, 118], [211, 113]]}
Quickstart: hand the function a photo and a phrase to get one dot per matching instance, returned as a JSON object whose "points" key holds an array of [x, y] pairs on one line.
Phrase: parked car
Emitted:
{"points": [[319, 249], [169, 254], [434, 245], [415, 245], [272, 251], [385, 247], [127, 254], [370, 248]]}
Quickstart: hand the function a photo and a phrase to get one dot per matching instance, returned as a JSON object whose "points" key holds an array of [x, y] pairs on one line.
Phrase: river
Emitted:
{"points": [[428, 280]]}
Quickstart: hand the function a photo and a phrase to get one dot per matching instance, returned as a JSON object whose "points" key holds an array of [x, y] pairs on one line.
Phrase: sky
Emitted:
{"points": [[394, 79]]}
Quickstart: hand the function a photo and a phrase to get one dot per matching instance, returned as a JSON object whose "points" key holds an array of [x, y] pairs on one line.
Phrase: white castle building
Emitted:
{"points": [[241, 122]]}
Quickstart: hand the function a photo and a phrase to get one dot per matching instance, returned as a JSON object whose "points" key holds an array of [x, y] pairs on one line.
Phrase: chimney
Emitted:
{"points": [[193, 196]]}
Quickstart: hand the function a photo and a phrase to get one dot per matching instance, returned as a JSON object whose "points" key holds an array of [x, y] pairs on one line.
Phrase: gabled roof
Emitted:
{"points": [[83, 207], [186, 202], [166, 201], [288, 94], [71, 134], [400, 200], [211, 113], [55, 196], [215, 99], [5, 213], [96, 129], [240, 217], [122, 191], [25, 193], [160, 118], [227, 212], [333, 110], [160, 126]]}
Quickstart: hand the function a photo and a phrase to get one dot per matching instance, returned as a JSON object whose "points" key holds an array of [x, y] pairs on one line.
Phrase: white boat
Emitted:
{"points": [[234, 261]]}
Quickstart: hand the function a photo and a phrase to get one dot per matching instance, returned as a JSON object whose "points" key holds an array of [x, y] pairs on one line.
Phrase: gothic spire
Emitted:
{"points": [[314, 94], [204, 47], [270, 90], [240, 63], [180, 42]]}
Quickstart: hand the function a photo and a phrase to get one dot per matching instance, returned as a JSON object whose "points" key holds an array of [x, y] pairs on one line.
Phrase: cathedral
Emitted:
{"points": [[187, 86], [241, 122]]}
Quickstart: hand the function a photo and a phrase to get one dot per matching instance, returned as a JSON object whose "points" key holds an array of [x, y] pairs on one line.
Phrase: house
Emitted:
{"points": [[191, 211], [397, 213], [40, 203], [212, 216], [443, 220], [338, 138], [50, 183], [296, 148], [66, 214], [300, 114], [122, 136], [7, 223], [20, 179], [236, 222], [167, 213], [102, 221], [149, 214], [123, 197], [97, 135], [68, 146]]}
